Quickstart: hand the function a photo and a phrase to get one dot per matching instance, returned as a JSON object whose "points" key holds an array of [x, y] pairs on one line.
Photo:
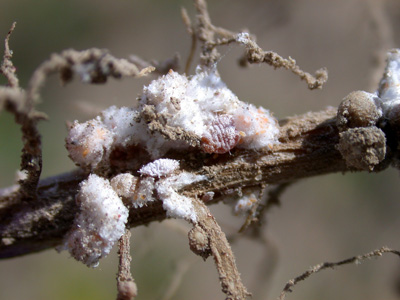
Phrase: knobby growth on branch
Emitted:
{"points": [[190, 143]]}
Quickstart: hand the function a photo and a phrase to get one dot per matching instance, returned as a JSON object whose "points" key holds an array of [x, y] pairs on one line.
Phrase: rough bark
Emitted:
{"points": [[308, 147]]}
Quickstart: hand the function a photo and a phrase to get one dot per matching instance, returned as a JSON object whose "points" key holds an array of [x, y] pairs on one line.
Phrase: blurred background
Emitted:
{"points": [[320, 219]]}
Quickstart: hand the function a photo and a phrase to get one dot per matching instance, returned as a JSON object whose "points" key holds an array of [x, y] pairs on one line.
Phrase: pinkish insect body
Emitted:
{"points": [[221, 135]]}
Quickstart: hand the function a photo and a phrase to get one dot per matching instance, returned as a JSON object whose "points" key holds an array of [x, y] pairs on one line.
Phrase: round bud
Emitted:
{"points": [[198, 242], [358, 109]]}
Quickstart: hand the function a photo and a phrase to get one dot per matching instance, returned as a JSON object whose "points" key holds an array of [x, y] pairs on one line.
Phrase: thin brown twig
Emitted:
{"points": [[206, 33], [256, 217], [212, 36], [7, 67], [92, 65], [330, 265], [208, 238], [160, 67], [126, 285], [14, 100], [254, 54], [191, 30]]}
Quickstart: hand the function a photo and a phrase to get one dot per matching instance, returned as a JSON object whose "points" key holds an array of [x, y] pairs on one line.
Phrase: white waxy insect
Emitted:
{"points": [[160, 167]]}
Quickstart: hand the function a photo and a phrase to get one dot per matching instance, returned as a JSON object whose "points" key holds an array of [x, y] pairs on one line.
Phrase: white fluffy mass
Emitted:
{"points": [[144, 192], [201, 105], [159, 176], [193, 104], [124, 184], [91, 142], [87, 143], [176, 205], [246, 203], [160, 167], [243, 38], [389, 86], [100, 224]]}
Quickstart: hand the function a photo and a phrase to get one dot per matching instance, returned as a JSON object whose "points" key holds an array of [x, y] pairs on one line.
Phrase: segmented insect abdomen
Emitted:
{"points": [[221, 136]]}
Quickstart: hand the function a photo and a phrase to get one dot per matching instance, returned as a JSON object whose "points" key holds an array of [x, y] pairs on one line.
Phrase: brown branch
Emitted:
{"points": [[308, 148]]}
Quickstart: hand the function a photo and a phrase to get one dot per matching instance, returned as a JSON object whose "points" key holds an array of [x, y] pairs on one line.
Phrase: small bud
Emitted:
{"points": [[358, 109], [198, 242]]}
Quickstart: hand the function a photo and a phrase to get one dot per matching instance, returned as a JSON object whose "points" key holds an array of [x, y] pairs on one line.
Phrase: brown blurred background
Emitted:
{"points": [[321, 219]]}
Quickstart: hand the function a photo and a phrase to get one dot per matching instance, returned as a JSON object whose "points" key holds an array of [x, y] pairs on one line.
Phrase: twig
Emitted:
{"points": [[15, 101], [254, 54], [160, 67], [330, 265], [308, 147], [92, 65], [7, 67], [273, 199], [206, 238], [126, 285], [256, 217], [191, 30], [206, 32], [211, 36]]}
